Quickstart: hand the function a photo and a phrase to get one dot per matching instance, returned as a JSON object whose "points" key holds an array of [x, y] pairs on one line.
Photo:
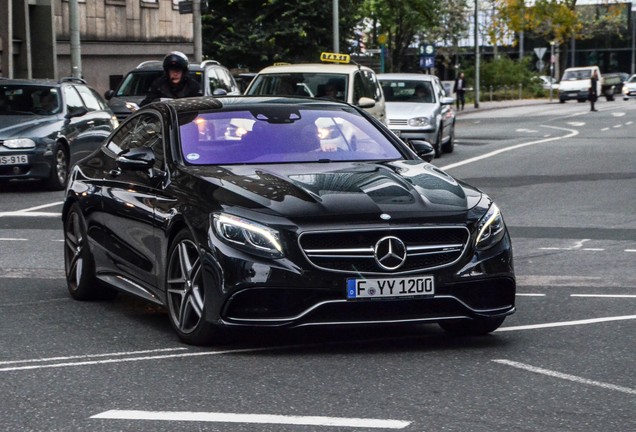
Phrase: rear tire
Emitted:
{"points": [[79, 263], [472, 327], [186, 293]]}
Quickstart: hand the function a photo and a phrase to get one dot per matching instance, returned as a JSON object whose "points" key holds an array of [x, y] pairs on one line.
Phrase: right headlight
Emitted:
{"points": [[491, 228], [19, 143], [247, 235]]}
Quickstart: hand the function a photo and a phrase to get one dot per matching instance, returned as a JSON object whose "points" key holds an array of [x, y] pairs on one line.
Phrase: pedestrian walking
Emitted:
{"points": [[593, 90], [459, 89]]}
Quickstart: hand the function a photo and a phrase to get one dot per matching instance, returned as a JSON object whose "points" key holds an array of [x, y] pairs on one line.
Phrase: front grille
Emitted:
{"points": [[398, 122], [353, 251]]}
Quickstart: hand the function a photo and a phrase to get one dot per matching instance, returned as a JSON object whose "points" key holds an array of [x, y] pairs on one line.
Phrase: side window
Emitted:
{"points": [[72, 98], [226, 80], [374, 85], [89, 98], [358, 88], [141, 131]]}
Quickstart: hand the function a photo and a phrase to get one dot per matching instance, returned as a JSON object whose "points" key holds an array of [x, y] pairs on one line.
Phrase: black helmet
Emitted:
{"points": [[175, 60]]}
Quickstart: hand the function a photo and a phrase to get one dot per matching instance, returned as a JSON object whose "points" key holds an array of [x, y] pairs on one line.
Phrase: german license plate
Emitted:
{"points": [[393, 287], [14, 160]]}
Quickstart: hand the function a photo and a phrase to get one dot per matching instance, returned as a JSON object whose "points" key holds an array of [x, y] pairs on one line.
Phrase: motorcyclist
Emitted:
{"points": [[175, 82]]}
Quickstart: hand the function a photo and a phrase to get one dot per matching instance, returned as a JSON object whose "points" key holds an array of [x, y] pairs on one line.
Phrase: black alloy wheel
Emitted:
{"points": [[79, 264], [59, 168], [186, 293], [472, 327]]}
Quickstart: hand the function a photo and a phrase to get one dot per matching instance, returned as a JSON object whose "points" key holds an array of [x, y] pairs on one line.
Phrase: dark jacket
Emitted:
{"points": [[593, 87], [456, 88], [162, 88]]}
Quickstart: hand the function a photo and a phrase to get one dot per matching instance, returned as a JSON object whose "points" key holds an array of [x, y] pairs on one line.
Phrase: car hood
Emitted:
{"points": [[401, 190], [406, 110], [24, 126]]}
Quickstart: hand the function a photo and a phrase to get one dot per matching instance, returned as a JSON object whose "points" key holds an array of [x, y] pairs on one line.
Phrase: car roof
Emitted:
{"points": [[44, 81], [313, 68], [157, 65], [406, 76], [204, 103]]}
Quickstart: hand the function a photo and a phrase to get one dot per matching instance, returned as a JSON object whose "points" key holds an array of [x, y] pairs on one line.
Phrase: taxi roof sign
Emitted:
{"points": [[335, 57]]}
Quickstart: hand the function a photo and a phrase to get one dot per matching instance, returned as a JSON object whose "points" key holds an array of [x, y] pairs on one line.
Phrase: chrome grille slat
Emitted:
{"points": [[353, 250]]}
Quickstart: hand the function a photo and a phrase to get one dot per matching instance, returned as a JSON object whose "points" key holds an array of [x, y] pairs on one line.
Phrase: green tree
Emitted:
{"points": [[256, 33], [401, 21]]}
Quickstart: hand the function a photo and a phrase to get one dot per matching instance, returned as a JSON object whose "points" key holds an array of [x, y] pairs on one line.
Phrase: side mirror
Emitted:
{"points": [[219, 92], [137, 159], [365, 102], [424, 149], [447, 101], [76, 112], [109, 94]]}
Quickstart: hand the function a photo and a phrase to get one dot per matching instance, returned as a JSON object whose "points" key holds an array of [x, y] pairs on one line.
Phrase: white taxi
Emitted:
{"points": [[336, 78]]}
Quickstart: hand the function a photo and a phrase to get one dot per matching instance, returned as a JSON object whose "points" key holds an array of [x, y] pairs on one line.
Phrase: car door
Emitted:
{"points": [[129, 198], [446, 111]]}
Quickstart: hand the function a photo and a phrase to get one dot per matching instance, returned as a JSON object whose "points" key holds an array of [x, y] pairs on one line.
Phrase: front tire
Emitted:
{"points": [[472, 327], [58, 177], [186, 294], [450, 144], [438, 145], [79, 263]]}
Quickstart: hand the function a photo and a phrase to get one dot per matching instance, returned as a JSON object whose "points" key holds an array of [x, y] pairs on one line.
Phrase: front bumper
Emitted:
{"points": [[40, 161], [481, 284]]}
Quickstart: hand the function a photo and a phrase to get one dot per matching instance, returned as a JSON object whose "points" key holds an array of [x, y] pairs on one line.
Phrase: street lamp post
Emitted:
{"points": [[476, 34], [336, 31]]}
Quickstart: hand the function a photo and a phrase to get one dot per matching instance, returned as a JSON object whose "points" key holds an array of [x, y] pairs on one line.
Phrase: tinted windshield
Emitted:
{"points": [[301, 84], [307, 135], [408, 91], [27, 99]]}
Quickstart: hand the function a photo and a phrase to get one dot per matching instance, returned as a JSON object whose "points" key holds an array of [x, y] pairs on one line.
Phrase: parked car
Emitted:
{"points": [[548, 82], [337, 78], [46, 126], [417, 108], [215, 79], [239, 212], [629, 88], [614, 82]]}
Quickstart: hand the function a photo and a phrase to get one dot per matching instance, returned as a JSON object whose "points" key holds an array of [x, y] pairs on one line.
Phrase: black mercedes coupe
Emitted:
{"points": [[282, 212]]}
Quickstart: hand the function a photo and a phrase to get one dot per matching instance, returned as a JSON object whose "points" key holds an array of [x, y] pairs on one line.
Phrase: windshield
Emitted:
{"points": [[28, 99], [322, 85], [138, 83], [573, 75], [408, 91], [274, 136]]}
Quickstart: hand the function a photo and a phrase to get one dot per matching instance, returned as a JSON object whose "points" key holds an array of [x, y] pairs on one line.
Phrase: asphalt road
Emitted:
{"points": [[564, 179]]}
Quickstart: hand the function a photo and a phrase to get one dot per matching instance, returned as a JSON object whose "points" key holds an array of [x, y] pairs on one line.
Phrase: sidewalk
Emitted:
{"points": [[486, 105]]}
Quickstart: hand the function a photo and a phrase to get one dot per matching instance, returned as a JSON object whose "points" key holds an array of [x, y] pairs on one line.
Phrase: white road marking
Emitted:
{"points": [[571, 133], [564, 376], [529, 295], [566, 323], [630, 250], [618, 114], [576, 124], [604, 295], [114, 354], [618, 126], [527, 130], [629, 122], [605, 129], [29, 211], [253, 418], [13, 239]]}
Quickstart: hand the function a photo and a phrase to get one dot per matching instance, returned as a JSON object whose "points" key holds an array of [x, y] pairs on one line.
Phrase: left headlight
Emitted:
{"points": [[491, 228], [419, 121], [248, 235], [19, 143]]}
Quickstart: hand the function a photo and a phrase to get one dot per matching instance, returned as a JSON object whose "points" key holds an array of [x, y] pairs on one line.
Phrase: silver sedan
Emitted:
{"points": [[417, 108]]}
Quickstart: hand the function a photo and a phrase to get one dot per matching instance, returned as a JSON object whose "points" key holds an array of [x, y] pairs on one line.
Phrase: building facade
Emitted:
{"points": [[115, 36]]}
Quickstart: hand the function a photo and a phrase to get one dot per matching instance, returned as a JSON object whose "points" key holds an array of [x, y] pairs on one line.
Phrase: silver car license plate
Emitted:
{"points": [[14, 160]]}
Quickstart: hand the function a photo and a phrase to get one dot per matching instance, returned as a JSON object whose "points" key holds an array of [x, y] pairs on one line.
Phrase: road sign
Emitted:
{"points": [[185, 7], [540, 52], [427, 62]]}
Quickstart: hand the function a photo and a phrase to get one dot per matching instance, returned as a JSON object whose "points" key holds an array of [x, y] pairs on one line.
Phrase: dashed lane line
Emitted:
{"points": [[566, 323], [564, 376]]}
